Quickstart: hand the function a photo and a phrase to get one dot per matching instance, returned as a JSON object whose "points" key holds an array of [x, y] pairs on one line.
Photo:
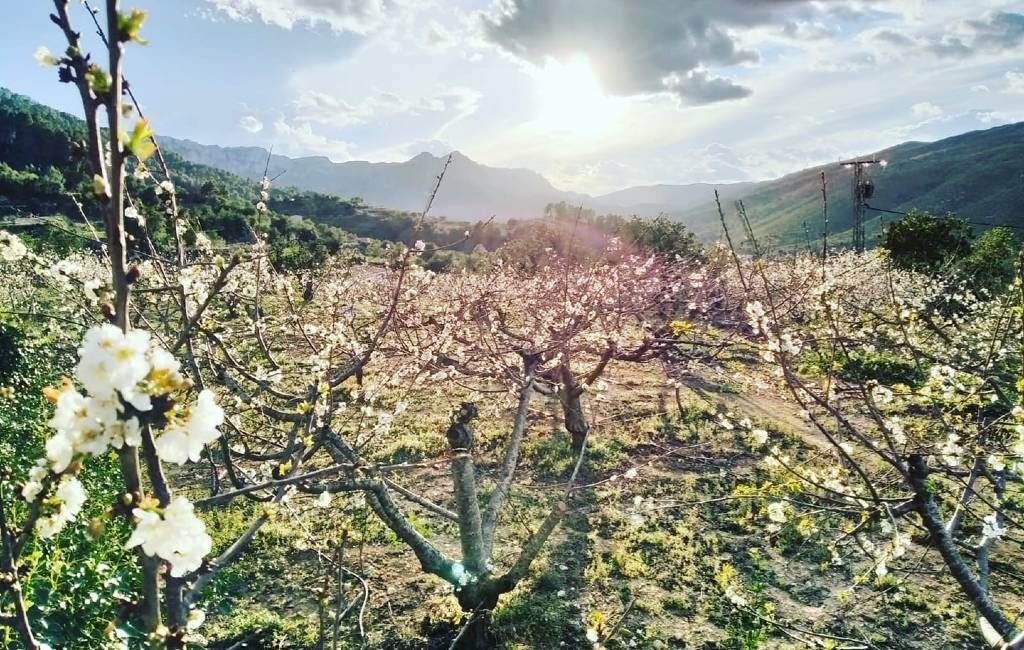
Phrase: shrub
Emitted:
{"points": [[920, 241], [993, 257]]}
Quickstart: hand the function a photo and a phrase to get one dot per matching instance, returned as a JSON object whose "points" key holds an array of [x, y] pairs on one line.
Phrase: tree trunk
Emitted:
{"points": [[477, 601], [924, 503], [572, 413]]}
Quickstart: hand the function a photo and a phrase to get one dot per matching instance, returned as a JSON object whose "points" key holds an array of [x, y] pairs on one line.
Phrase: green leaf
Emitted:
{"points": [[99, 80], [129, 25], [140, 142]]}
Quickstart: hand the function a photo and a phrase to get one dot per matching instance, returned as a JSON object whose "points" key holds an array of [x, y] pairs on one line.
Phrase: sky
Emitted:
{"points": [[596, 95]]}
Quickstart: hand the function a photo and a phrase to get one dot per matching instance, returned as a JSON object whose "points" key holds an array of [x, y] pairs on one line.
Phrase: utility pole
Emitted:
{"points": [[863, 189]]}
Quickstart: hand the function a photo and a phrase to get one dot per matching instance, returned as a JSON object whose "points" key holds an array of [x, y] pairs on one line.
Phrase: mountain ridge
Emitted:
{"points": [[977, 174], [471, 190]]}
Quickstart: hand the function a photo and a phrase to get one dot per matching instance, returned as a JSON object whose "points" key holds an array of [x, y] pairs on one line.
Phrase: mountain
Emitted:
{"points": [[42, 168], [469, 191], [978, 175], [652, 200]]}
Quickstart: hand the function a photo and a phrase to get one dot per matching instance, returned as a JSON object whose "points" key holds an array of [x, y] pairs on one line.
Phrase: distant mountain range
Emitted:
{"points": [[979, 175], [470, 190]]}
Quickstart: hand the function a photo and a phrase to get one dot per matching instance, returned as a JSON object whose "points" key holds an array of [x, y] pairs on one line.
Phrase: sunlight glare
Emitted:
{"points": [[571, 99]]}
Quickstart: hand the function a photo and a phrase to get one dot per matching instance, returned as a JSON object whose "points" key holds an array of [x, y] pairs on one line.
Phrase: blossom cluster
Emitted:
{"points": [[175, 534], [126, 379]]}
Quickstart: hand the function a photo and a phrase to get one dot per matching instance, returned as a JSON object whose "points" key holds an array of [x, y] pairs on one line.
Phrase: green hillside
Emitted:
{"points": [[41, 169], [979, 175]]}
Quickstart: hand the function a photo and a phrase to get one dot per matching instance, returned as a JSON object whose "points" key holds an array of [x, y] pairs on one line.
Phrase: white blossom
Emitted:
{"points": [[110, 360], [34, 485], [11, 247], [991, 528], [70, 495], [777, 512], [896, 430], [195, 619], [183, 441], [44, 57], [760, 436], [59, 451], [733, 596], [178, 536]]}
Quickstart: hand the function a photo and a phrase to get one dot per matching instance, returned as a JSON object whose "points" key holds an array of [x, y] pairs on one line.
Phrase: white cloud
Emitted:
{"points": [[925, 111], [1014, 83], [301, 139], [436, 37], [994, 32], [358, 16], [322, 108], [251, 123]]}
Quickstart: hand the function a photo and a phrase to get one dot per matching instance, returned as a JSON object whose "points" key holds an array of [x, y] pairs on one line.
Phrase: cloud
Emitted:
{"points": [[436, 37], [891, 37], [635, 48], [251, 124], [433, 147], [322, 108], [950, 47], [1000, 30], [993, 32], [803, 30], [698, 87], [299, 138], [947, 124], [1014, 83], [925, 111], [358, 16]]}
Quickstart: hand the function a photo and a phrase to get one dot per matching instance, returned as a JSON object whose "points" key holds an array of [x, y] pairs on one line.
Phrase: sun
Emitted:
{"points": [[571, 99]]}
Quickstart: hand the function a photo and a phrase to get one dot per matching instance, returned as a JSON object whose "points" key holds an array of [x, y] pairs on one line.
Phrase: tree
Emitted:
{"points": [[920, 241], [663, 236], [934, 455], [992, 260]]}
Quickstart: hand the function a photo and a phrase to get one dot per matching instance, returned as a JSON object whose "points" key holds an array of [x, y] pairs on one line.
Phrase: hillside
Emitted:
{"points": [[979, 175], [651, 200], [41, 165]]}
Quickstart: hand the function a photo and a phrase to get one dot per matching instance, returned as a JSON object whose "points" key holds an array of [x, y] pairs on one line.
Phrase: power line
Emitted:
{"points": [[973, 223]]}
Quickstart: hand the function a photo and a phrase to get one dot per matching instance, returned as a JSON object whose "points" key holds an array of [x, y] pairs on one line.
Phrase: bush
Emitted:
{"points": [[663, 236], [920, 241], [992, 262]]}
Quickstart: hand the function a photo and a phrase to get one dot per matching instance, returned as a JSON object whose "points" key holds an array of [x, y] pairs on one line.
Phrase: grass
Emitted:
{"points": [[637, 556]]}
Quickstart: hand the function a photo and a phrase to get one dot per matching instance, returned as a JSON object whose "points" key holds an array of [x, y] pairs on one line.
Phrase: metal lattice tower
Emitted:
{"points": [[863, 190]]}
